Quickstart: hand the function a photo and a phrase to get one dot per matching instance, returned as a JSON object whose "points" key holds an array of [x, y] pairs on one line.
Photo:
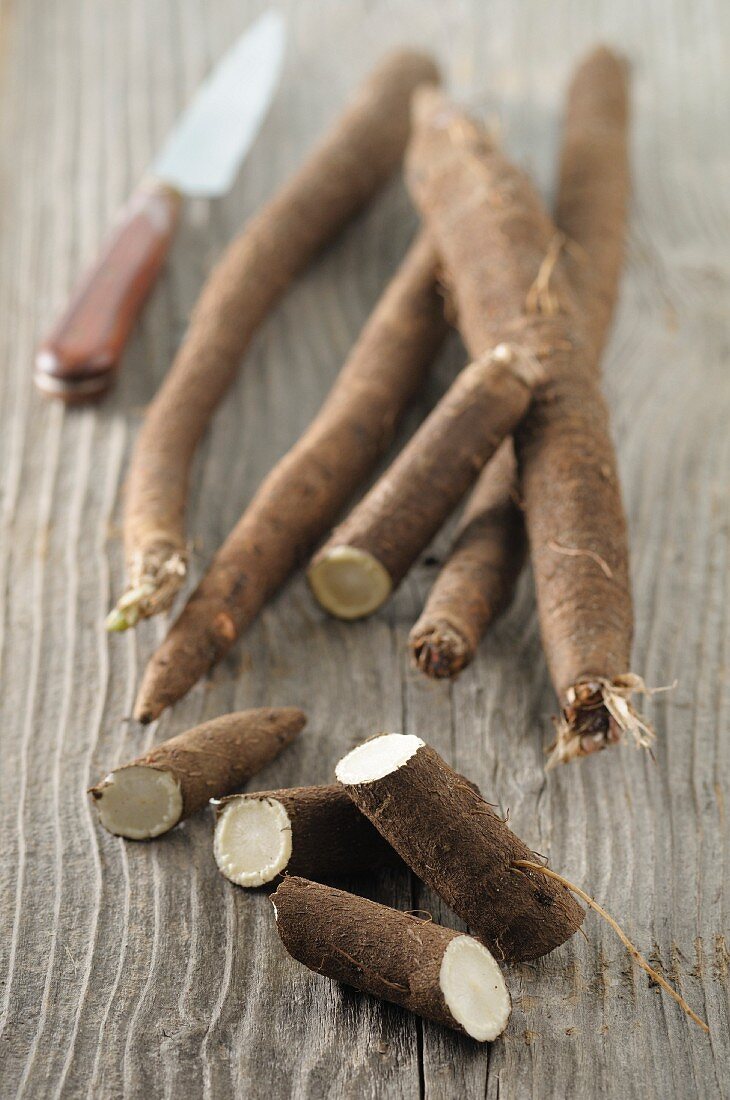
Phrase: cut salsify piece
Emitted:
{"points": [[317, 832], [433, 971], [144, 799], [445, 831]]}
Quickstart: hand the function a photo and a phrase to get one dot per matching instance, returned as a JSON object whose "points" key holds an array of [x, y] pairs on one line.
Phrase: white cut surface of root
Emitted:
{"points": [[377, 758], [350, 583], [474, 989], [253, 840], [139, 802]]}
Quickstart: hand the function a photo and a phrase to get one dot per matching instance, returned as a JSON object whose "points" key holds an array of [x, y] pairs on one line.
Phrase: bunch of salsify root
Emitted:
{"points": [[395, 804], [524, 426]]}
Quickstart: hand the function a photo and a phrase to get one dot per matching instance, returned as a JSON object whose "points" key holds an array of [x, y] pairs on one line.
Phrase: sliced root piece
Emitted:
{"points": [[317, 832], [445, 831], [474, 989], [349, 583], [143, 799], [433, 971], [378, 757]]}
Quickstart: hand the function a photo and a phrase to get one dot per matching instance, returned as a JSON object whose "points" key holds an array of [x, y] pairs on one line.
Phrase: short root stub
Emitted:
{"points": [[440, 651], [349, 583], [154, 583], [138, 802], [253, 840], [599, 713]]}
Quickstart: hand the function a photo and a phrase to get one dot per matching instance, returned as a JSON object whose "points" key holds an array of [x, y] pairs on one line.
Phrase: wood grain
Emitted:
{"points": [[136, 970]]}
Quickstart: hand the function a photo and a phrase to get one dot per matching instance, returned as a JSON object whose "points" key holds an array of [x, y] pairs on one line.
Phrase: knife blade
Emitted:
{"points": [[201, 157]]}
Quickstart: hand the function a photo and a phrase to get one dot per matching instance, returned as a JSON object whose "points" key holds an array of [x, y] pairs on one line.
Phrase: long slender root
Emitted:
{"points": [[565, 456], [349, 165], [612, 923], [301, 497], [478, 580]]}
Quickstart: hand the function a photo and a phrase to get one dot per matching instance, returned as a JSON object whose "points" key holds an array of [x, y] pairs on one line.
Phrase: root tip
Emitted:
{"points": [[144, 713], [116, 622], [439, 652]]}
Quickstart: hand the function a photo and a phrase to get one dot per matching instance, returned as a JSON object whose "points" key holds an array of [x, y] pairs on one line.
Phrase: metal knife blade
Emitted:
{"points": [[203, 153]]}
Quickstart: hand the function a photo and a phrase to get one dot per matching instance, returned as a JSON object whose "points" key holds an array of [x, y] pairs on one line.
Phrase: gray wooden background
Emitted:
{"points": [[136, 970]]}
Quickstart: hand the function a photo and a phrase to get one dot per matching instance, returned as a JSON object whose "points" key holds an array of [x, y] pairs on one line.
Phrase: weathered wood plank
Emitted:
{"points": [[134, 969]]}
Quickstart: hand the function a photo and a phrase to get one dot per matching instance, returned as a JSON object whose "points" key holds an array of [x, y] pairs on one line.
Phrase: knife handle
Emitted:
{"points": [[79, 358]]}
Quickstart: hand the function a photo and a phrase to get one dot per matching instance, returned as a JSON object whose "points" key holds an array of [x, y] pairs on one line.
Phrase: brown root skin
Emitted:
{"points": [[177, 778], [591, 211], [439, 974], [594, 184], [398, 517], [445, 831], [349, 165], [326, 465], [565, 454]]}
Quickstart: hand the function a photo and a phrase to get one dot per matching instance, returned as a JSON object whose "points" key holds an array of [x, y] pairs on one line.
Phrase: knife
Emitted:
{"points": [[78, 360]]}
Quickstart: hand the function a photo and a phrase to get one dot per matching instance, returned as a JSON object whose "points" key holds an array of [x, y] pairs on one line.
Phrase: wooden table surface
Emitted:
{"points": [[134, 969]]}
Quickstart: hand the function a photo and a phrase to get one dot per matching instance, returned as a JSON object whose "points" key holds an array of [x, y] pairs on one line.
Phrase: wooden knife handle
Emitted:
{"points": [[78, 360]]}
